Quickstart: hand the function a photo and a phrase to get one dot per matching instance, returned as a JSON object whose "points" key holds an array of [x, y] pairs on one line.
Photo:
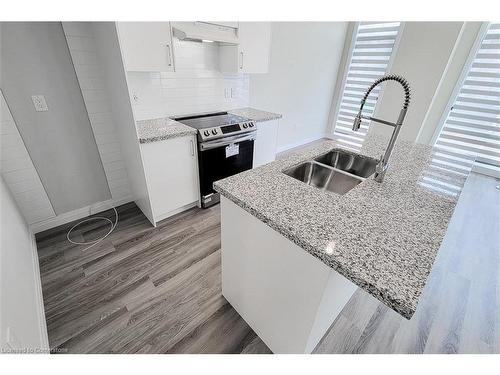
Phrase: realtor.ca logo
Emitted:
{"points": [[32, 350]]}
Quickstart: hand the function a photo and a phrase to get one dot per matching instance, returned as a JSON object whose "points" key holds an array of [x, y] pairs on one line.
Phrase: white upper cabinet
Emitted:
{"points": [[146, 46], [251, 55]]}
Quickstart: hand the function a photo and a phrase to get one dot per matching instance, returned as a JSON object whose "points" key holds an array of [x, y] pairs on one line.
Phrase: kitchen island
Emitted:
{"points": [[292, 254]]}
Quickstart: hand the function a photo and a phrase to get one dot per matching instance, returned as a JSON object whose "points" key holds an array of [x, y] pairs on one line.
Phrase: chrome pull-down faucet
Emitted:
{"points": [[384, 159]]}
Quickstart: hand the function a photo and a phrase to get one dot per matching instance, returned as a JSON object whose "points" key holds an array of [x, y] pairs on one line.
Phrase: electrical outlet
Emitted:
{"points": [[227, 93], [39, 103], [135, 98]]}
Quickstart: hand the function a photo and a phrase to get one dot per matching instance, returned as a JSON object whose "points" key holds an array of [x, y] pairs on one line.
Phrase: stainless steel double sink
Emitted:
{"points": [[337, 171]]}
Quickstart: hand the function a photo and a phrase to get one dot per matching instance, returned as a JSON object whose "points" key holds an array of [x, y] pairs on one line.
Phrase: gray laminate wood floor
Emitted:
{"points": [[141, 290], [158, 290]]}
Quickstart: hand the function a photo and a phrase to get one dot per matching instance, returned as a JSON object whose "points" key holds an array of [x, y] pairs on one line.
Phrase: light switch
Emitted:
{"points": [[39, 103], [227, 93], [233, 92]]}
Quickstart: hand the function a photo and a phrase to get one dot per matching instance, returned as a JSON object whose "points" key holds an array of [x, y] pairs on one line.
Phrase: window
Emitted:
{"points": [[471, 127], [369, 60]]}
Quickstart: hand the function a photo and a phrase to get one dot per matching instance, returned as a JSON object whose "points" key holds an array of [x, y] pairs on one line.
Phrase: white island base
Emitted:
{"points": [[286, 295]]}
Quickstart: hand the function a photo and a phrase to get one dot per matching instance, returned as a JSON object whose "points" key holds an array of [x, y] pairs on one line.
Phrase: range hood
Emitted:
{"points": [[205, 32]]}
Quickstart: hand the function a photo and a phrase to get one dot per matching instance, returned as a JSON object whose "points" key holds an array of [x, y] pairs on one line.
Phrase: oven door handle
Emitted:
{"points": [[226, 141]]}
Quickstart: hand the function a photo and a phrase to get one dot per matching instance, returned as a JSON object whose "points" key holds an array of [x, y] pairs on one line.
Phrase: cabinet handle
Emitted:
{"points": [[169, 52], [192, 147], [241, 65]]}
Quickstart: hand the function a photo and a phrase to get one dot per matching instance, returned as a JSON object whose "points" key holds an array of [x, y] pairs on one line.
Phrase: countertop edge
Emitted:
{"points": [[164, 128], [160, 129], [256, 115], [165, 137]]}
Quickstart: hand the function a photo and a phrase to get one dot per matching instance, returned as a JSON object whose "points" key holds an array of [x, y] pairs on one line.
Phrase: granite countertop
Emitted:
{"points": [[160, 129], [255, 114], [163, 128], [383, 237]]}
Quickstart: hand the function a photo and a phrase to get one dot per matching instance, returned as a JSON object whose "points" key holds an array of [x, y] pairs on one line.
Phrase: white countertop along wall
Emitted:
{"points": [[196, 85]]}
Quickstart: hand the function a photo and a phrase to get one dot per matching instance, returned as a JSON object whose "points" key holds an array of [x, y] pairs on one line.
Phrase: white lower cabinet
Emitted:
{"points": [[171, 174], [265, 143]]}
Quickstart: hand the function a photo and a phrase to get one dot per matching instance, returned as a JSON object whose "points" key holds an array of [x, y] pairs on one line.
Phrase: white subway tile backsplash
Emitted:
{"points": [[110, 157], [107, 139], [118, 174], [7, 127], [95, 95], [13, 164], [114, 165], [81, 43], [15, 152], [19, 176], [195, 86], [84, 57], [88, 71]]}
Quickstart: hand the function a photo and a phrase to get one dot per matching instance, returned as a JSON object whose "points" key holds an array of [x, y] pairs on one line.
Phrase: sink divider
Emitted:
{"points": [[336, 169]]}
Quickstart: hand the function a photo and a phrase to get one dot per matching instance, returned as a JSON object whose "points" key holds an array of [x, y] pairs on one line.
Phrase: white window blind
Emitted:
{"points": [[371, 53], [472, 126]]}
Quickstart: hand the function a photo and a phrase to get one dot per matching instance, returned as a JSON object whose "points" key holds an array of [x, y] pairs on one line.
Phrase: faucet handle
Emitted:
{"points": [[382, 165], [357, 123]]}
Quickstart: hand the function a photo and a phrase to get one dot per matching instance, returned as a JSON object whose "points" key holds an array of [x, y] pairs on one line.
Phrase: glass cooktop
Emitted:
{"points": [[211, 120]]}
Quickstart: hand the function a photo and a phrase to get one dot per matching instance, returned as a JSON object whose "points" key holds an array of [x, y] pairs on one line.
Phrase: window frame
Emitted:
{"points": [[347, 57], [479, 165], [460, 81]]}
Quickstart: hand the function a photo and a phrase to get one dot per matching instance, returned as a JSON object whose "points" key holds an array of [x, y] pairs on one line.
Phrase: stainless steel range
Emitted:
{"points": [[225, 148]]}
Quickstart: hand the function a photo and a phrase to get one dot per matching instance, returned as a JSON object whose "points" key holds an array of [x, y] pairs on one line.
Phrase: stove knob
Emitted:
{"points": [[251, 124], [207, 133], [245, 125], [214, 131]]}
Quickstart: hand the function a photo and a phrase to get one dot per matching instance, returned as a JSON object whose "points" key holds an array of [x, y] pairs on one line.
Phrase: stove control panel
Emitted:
{"points": [[226, 130]]}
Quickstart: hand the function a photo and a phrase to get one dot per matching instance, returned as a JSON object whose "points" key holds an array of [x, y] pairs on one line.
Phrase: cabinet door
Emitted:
{"points": [[265, 143], [146, 46], [254, 47], [172, 174], [251, 55]]}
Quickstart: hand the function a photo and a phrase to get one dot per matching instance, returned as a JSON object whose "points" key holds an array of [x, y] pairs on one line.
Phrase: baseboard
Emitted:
{"points": [[77, 214], [486, 169], [42, 323], [176, 211], [301, 142]]}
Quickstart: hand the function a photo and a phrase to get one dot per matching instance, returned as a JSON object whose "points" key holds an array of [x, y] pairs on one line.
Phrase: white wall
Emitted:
{"points": [[303, 69], [89, 71], [458, 58], [36, 60], [16, 166], [422, 56], [196, 85], [22, 319]]}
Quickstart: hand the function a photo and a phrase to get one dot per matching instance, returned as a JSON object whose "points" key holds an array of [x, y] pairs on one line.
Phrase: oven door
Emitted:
{"points": [[222, 158]]}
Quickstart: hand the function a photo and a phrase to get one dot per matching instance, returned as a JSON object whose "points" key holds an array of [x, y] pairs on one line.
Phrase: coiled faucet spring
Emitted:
{"points": [[384, 160]]}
